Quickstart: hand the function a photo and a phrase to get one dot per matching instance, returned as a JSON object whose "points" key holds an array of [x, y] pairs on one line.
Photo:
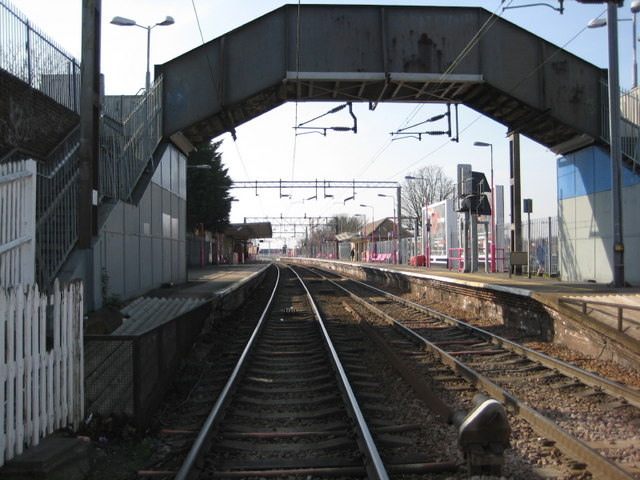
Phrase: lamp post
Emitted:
{"points": [[492, 247], [394, 233], [601, 22], [127, 22]]}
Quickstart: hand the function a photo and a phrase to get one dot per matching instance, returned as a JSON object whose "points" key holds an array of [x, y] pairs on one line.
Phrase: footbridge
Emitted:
{"points": [[386, 54]]}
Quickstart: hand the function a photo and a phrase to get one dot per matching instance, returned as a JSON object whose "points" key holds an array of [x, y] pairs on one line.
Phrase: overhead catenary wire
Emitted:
{"points": [[463, 53], [516, 85]]}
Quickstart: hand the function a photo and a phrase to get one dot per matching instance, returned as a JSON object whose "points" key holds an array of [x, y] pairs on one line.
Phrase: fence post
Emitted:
{"points": [[3, 370]]}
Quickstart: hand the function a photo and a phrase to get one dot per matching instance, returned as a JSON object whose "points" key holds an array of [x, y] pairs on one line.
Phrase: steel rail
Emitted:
{"points": [[605, 385], [375, 467], [574, 447], [205, 434]]}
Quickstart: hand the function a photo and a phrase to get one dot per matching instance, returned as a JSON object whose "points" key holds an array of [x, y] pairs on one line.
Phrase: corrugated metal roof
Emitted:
{"points": [[145, 313]]}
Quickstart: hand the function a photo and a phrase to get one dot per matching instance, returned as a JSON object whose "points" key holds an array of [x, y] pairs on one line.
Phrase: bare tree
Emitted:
{"points": [[430, 185], [348, 223]]}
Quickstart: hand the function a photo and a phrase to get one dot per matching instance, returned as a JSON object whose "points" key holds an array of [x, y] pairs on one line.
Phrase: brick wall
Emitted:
{"points": [[29, 120]]}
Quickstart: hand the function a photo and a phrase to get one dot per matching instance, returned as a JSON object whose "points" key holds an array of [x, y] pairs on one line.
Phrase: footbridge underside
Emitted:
{"points": [[385, 54]]}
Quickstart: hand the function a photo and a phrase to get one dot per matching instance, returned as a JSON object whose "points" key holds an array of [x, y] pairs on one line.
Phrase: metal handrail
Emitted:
{"points": [[127, 147], [585, 302], [629, 126]]}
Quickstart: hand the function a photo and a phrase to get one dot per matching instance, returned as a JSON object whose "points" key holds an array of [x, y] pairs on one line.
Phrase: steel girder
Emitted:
{"points": [[384, 54]]}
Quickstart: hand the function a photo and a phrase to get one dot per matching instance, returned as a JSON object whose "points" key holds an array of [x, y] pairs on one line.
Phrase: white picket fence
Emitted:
{"points": [[41, 382], [17, 222]]}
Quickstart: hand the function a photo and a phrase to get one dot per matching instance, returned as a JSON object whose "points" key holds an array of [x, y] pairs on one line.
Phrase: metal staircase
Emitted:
{"points": [[126, 150], [629, 127]]}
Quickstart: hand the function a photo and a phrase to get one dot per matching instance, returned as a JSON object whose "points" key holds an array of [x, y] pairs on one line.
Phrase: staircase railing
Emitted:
{"points": [[127, 147], [125, 151], [57, 207], [629, 125]]}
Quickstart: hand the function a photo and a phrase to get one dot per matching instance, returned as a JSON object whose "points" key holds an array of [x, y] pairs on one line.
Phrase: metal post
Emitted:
{"points": [[28, 48], [516, 216], [148, 77], [399, 224], [548, 252], [529, 244], [493, 223], [89, 124], [614, 126], [634, 71], [415, 238], [489, 266]]}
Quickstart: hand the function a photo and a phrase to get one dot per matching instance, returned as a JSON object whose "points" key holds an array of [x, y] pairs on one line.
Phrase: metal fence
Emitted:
{"points": [[542, 246], [128, 374], [33, 57]]}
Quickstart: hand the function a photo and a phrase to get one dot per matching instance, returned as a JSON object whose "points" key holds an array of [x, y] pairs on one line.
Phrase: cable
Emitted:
{"points": [[215, 87], [213, 79]]}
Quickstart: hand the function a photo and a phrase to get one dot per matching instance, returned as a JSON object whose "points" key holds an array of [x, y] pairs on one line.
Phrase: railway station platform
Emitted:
{"points": [[130, 362], [593, 318]]}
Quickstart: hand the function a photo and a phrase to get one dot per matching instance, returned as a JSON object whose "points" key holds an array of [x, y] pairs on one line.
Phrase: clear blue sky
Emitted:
{"points": [[265, 146]]}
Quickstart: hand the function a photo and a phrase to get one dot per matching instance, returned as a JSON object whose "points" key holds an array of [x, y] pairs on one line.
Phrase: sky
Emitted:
{"points": [[267, 148]]}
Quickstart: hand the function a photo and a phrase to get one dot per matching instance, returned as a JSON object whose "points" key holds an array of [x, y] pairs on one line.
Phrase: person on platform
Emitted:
{"points": [[541, 254]]}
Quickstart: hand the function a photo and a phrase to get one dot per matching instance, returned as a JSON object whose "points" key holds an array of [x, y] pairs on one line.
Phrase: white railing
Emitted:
{"points": [[17, 222], [41, 387]]}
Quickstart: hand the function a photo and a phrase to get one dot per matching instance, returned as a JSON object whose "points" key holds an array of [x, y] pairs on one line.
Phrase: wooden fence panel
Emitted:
{"points": [[17, 222], [40, 390]]}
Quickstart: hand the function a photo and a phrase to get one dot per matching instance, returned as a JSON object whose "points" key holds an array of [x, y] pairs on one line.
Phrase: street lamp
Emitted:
{"points": [[601, 22], [127, 22], [394, 226], [492, 248]]}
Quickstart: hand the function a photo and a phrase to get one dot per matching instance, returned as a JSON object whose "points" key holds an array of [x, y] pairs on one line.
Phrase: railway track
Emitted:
{"points": [[300, 403], [570, 408]]}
